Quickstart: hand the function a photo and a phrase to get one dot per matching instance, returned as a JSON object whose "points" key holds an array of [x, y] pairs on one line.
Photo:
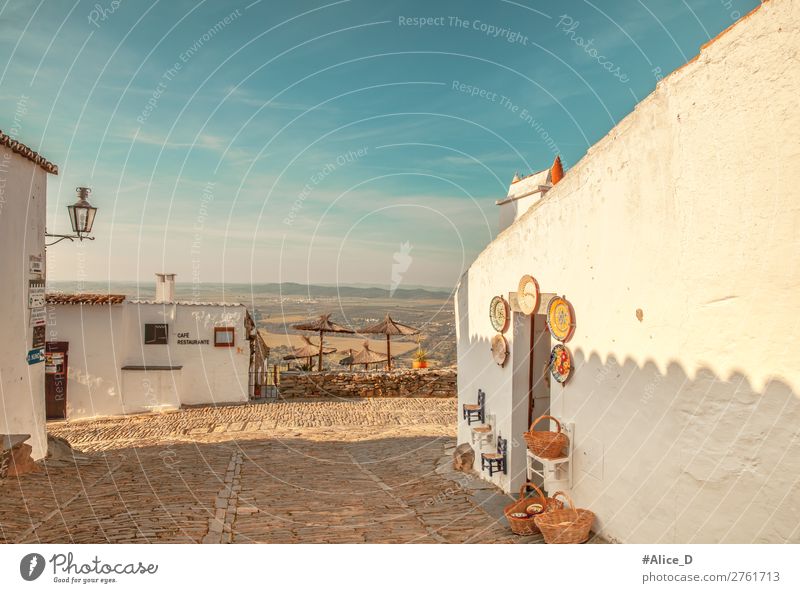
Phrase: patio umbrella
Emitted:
{"points": [[307, 350], [367, 356], [322, 324], [389, 327]]}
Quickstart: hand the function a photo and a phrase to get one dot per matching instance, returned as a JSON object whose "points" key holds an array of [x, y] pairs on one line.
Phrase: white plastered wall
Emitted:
{"points": [[105, 338], [686, 421], [23, 193]]}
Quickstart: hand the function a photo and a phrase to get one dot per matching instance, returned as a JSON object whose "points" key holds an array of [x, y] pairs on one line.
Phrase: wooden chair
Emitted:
{"points": [[496, 462], [476, 412]]}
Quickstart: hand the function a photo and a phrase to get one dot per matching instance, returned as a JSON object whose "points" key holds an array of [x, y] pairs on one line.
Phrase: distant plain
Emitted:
{"points": [[277, 307]]}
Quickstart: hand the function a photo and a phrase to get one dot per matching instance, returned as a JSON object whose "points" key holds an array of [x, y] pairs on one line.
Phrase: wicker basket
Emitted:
{"points": [[527, 526], [565, 526], [546, 443]]}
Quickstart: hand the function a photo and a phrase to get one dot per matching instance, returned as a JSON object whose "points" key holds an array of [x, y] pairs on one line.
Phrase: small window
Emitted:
{"points": [[224, 337], [155, 333]]}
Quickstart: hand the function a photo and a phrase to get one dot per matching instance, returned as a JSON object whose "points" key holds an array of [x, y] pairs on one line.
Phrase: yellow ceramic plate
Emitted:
{"points": [[560, 318]]}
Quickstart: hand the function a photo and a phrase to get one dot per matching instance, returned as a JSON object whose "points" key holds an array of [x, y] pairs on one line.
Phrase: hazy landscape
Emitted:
{"points": [[276, 307]]}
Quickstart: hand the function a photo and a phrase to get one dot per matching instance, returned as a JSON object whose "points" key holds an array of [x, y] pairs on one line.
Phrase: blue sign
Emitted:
{"points": [[36, 355]]}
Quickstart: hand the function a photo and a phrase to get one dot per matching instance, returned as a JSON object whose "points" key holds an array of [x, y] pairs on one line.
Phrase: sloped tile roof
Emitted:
{"points": [[85, 299], [28, 153]]}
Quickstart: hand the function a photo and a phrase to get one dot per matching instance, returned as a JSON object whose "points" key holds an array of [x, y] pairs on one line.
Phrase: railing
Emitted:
{"points": [[264, 384]]}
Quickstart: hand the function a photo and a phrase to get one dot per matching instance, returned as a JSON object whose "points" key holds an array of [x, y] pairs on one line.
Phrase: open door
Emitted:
{"points": [[539, 370], [55, 360], [530, 388]]}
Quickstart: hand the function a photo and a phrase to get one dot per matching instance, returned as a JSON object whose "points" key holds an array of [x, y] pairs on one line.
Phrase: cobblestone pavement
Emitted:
{"points": [[321, 471]]}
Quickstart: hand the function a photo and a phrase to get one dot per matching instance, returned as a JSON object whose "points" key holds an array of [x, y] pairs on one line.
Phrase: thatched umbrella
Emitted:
{"points": [[322, 325], [389, 327], [307, 350], [367, 356]]}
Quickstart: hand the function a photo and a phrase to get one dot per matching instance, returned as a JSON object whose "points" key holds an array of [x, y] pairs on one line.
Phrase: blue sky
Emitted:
{"points": [[308, 141]]}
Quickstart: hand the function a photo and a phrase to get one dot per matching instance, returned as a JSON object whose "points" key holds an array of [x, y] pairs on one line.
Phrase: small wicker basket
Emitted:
{"points": [[526, 525], [565, 526], [546, 443]]}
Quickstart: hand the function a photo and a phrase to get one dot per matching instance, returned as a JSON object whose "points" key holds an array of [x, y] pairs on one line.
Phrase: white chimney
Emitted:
{"points": [[165, 288]]}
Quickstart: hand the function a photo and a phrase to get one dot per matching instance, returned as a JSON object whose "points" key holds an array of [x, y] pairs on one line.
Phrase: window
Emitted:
{"points": [[224, 337], [155, 333]]}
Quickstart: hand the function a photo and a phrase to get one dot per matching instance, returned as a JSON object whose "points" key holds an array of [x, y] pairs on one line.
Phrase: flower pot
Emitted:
{"points": [[420, 364]]}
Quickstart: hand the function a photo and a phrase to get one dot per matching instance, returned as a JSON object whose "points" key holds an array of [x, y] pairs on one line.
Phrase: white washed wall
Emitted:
{"points": [[687, 421], [23, 193], [96, 342], [105, 338], [209, 374]]}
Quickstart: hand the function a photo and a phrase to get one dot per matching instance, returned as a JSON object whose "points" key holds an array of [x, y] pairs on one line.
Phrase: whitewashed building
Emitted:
{"points": [[23, 197], [130, 356], [675, 239]]}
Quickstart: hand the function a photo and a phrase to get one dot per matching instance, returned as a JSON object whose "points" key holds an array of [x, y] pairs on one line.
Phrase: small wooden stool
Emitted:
{"points": [[496, 462], [476, 412]]}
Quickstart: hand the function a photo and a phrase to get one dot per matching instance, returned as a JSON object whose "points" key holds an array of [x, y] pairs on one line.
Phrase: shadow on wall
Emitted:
{"points": [[684, 457], [672, 456]]}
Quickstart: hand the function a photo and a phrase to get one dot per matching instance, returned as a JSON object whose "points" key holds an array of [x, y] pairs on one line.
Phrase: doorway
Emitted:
{"points": [[539, 370], [55, 383], [530, 389]]}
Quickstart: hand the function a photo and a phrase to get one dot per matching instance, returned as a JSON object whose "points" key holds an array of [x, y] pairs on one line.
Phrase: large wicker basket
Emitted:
{"points": [[565, 526], [527, 526], [546, 443]]}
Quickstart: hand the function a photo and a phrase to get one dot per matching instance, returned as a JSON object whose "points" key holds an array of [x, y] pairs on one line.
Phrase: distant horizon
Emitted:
{"points": [[178, 284]]}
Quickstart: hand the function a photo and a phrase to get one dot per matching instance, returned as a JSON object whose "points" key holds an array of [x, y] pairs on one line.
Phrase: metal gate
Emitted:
{"points": [[264, 383]]}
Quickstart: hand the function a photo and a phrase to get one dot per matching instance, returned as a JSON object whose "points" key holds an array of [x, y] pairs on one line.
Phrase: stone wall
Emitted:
{"points": [[344, 384]]}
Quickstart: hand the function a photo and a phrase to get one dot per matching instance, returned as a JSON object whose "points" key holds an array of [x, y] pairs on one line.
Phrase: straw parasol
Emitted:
{"points": [[322, 325], [389, 327], [307, 350], [367, 356]]}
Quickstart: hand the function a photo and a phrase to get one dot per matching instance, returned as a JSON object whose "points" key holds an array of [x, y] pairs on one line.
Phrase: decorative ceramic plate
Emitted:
{"points": [[528, 294], [560, 363], [560, 318], [498, 314], [499, 349], [534, 509]]}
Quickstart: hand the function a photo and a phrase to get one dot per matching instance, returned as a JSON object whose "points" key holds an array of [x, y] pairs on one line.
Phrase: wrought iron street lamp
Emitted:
{"points": [[81, 217]]}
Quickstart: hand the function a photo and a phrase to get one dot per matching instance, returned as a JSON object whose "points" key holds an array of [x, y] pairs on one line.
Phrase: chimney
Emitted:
{"points": [[165, 288]]}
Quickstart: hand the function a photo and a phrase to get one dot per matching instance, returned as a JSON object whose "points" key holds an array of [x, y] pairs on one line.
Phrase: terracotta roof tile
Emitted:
{"points": [[85, 299], [28, 153]]}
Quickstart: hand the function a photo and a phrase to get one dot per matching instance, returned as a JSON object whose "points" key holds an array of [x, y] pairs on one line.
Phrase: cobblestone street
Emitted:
{"points": [[314, 471]]}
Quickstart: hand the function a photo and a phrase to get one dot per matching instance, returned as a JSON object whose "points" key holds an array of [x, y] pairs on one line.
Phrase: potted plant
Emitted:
{"points": [[420, 359]]}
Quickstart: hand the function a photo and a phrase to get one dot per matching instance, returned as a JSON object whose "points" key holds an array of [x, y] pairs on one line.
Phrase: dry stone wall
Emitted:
{"points": [[344, 384]]}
